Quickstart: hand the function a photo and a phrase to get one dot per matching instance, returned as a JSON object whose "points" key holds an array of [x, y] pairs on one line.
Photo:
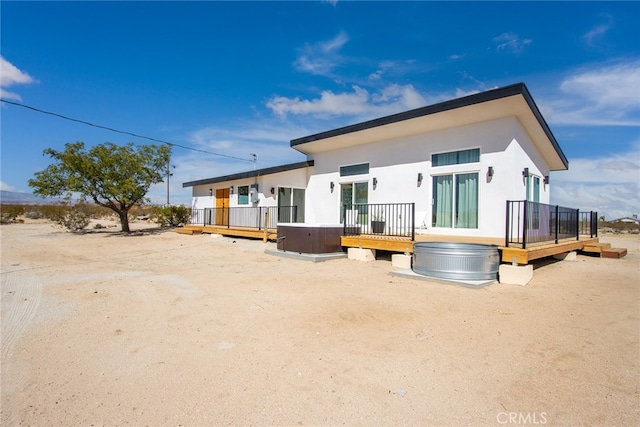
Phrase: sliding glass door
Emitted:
{"points": [[455, 201], [356, 193]]}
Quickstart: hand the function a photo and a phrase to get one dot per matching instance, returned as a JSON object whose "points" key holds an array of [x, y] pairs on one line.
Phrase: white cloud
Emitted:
{"points": [[11, 75], [609, 185], [321, 58], [382, 69], [592, 36], [595, 33], [511, 42], [461, 93], [6, 187], [359, 102], [269, 139], [604, 95]]}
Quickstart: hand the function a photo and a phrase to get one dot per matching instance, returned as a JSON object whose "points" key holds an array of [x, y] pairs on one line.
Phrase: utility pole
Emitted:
{"points": [[168, 176], [255, 159]]}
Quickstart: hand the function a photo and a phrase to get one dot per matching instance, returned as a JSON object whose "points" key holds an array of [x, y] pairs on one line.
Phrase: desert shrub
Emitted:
{"points": [[32, 213], [75, 217], [138, 211], [10, 213], [95, 211], [53, 212], [619, 227], [174, 216]]}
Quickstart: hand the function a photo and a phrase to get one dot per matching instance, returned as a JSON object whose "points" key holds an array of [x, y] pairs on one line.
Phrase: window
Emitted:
{"points": [[360, 169], [354, 198], [290, 204], [456, 157], [243, 195], [455, 201], [533, 195]]}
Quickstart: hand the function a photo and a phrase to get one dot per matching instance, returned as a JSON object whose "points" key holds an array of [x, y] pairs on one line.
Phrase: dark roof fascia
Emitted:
{"points": [[543, 124], [250, 174], [477, 98]]}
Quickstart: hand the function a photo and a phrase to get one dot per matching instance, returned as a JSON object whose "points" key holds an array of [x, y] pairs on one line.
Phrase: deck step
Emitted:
{"points": [[614, 253], [596, 247], [188, 230]]}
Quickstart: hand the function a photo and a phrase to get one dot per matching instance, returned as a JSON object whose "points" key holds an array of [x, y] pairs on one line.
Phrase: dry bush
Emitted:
{"points": [[174, 216], [10, 213], [619, 227]]}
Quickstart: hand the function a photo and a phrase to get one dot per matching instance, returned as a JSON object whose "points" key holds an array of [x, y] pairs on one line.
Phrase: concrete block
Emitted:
{"points": [[515, 274], [567, 256], [401, 261], [360, 254]]}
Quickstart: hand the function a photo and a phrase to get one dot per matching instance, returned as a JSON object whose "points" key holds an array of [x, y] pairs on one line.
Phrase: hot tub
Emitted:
{"points": [[310, 238], [456, 261]]}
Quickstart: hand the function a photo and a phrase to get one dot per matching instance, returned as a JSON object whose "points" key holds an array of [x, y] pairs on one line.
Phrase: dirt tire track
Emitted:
{"points": [[21, 297]]}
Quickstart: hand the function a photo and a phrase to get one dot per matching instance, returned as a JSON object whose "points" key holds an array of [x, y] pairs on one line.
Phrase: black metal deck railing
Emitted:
{"points": [[384, 219], [249, 217], [531, 222]]}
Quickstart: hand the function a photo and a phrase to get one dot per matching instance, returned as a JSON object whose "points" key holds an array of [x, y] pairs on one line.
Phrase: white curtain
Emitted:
{"points": [[443, 200], [467, 200]]}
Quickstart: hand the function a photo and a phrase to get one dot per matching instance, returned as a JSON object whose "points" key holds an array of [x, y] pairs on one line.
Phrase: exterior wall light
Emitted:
{"points": [[210, 192], [546, 179], [525, 173], [490, 171], [231, 190], [375, 183], [419, 179], [332, 186], [273, 190]]}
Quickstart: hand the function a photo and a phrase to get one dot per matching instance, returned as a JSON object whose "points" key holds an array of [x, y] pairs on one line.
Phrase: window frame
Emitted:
{"points": [[457, 161], [454, 200], [354, 169], [243, 199]]}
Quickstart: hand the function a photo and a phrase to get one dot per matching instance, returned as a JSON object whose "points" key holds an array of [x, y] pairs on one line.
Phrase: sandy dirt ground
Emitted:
{"points": [[158, 328]]}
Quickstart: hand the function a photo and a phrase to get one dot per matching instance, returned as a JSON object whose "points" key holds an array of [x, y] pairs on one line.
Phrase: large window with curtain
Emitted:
{"points": [[456, 157], [455, 200]]}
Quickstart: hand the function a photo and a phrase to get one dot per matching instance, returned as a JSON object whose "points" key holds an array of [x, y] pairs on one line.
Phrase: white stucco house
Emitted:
{"points": [[456, 163]]}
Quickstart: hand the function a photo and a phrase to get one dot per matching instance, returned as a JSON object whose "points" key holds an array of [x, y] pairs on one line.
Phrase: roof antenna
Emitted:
{"points": [[255, 159]]}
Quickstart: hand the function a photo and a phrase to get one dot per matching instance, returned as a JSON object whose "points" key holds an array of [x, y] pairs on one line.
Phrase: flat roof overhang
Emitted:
{"points": [[514, 100], [250, 174]]}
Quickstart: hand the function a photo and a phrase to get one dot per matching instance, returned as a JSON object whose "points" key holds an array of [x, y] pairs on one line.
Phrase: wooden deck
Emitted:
{"points": [[405, 244], [537, 251], [382, 243], [251, 233], [507, 254]]}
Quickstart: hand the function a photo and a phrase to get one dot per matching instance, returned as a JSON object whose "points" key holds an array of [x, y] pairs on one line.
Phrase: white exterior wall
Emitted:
{"points": [[503, 144], [296, 178]]}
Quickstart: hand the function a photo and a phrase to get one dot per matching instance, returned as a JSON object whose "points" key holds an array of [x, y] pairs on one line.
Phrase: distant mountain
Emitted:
{"points": [[16, 198]]}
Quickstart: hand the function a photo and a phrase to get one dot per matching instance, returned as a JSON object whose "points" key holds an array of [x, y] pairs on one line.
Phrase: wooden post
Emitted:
{"points": [[266, 226]]}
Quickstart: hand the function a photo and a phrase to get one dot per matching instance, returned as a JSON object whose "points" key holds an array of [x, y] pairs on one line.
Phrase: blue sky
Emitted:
{"points": [[235, 78]]}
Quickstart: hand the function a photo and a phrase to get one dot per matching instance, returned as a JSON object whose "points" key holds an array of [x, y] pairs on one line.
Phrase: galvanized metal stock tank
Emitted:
{"points": [[456, 261]]}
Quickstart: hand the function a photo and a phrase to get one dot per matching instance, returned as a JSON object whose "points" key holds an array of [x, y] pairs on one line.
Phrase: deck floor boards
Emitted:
{"points": [[405, 244]]}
